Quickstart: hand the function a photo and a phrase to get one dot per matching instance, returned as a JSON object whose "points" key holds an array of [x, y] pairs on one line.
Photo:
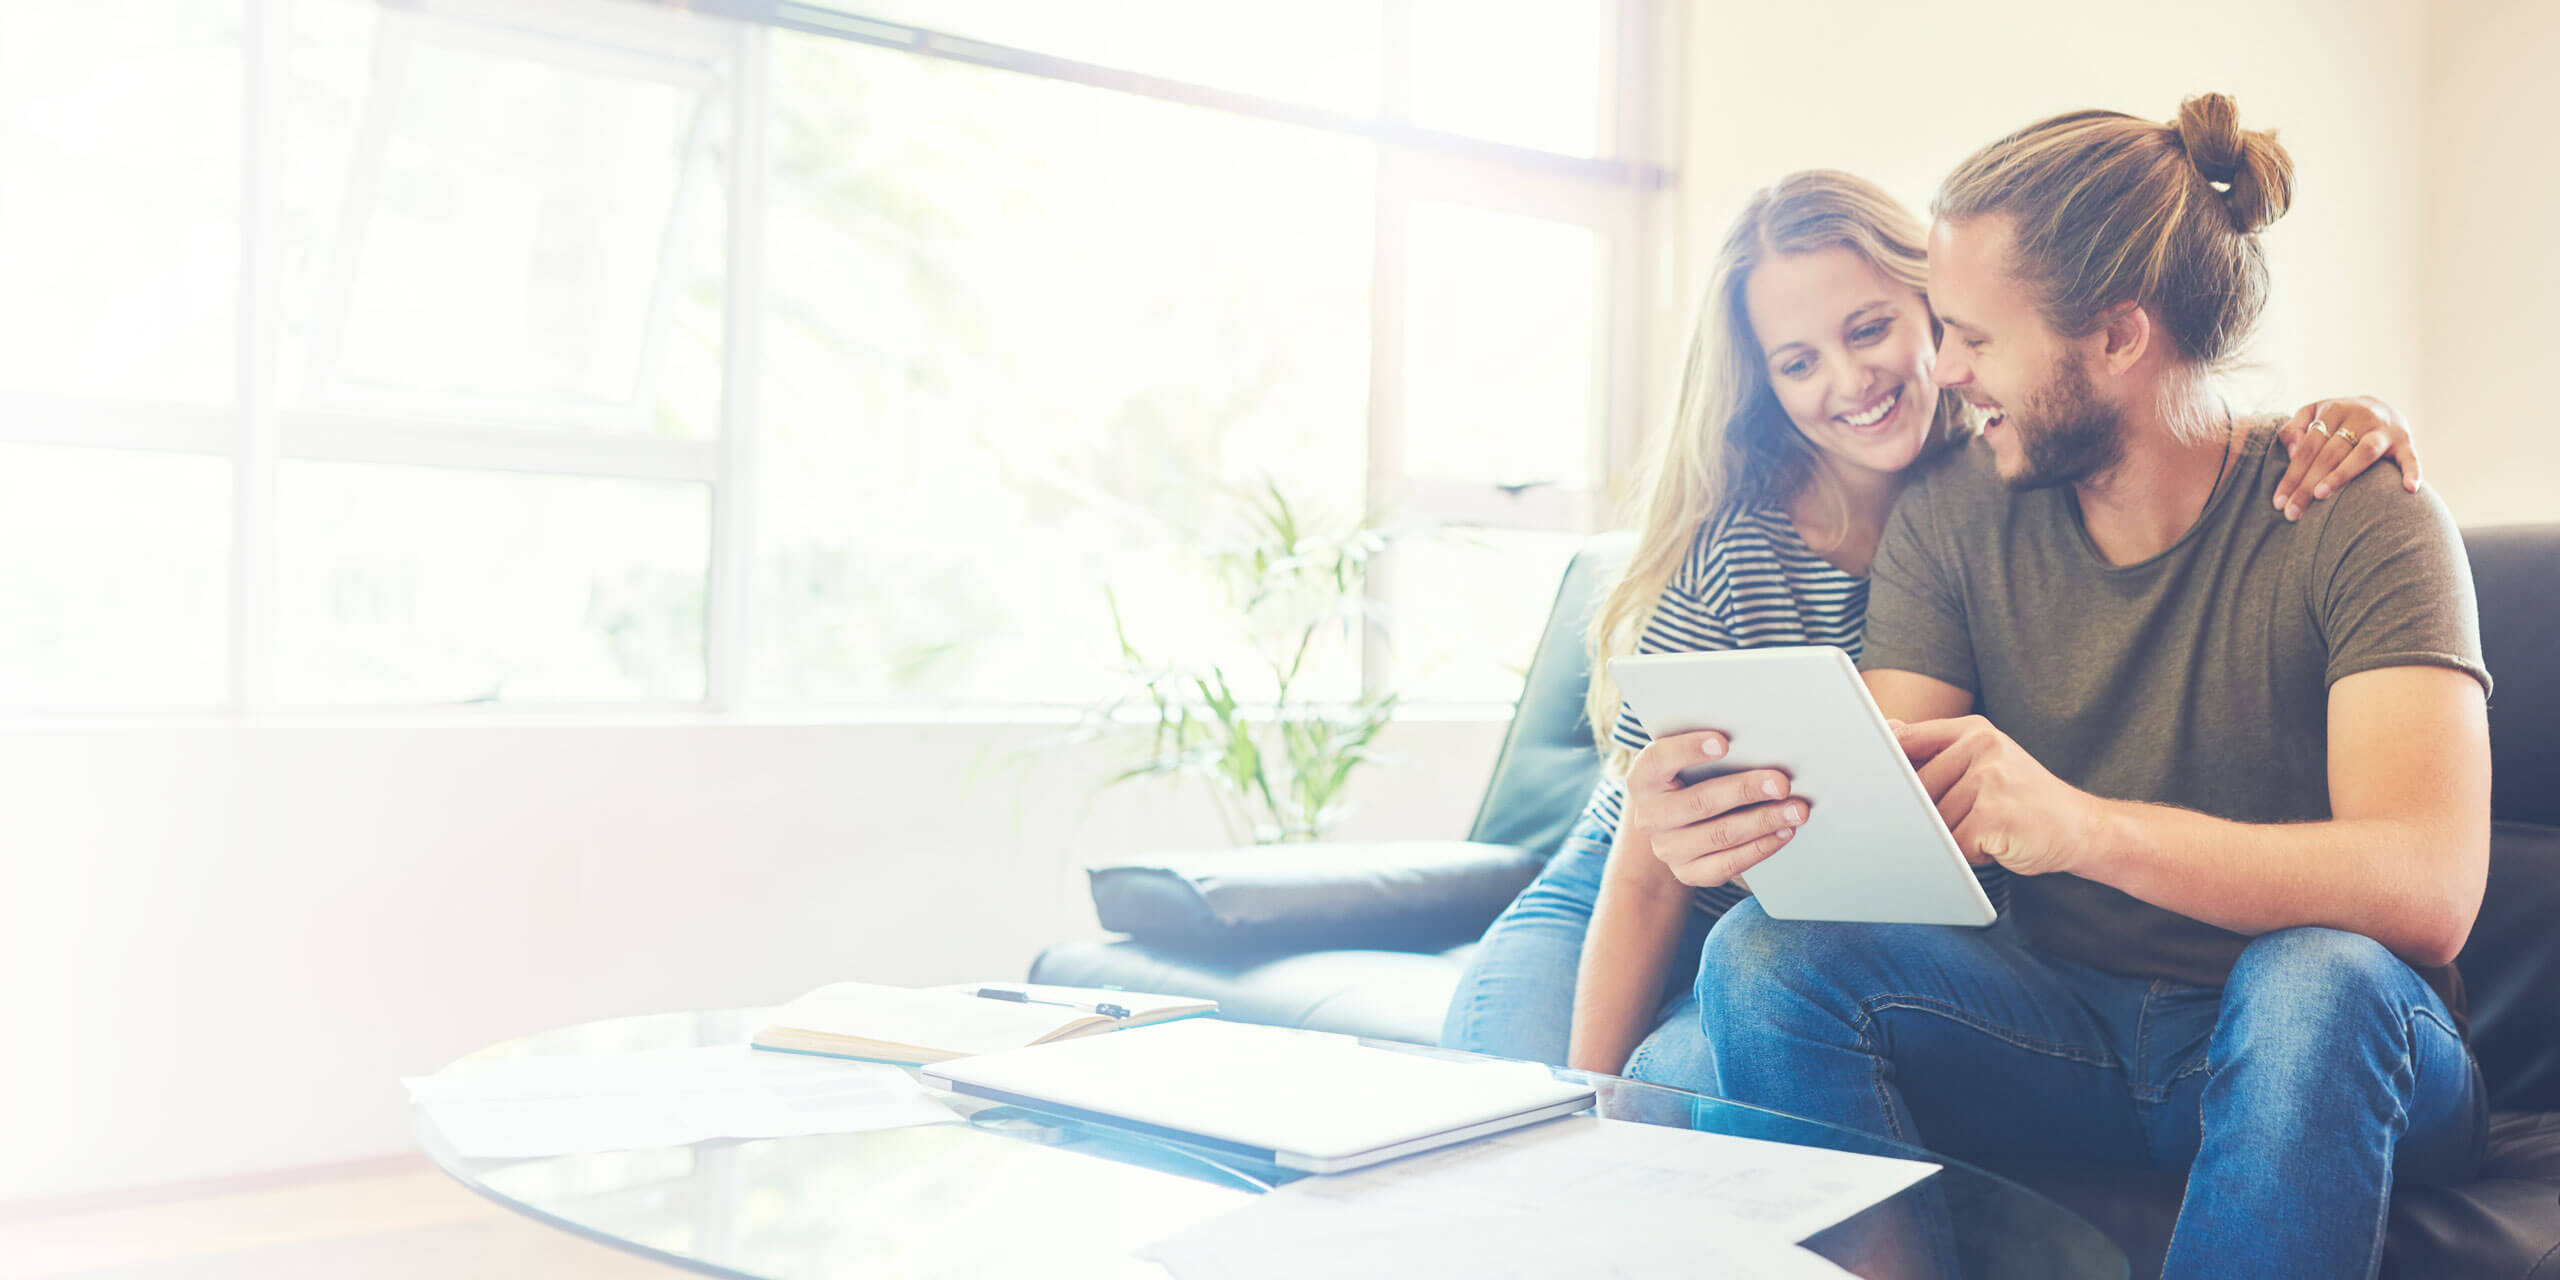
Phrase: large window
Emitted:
{"points": [[605, 353]]}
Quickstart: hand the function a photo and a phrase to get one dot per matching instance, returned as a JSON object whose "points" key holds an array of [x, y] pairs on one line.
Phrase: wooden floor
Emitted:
{"points": [[382, 1220]]}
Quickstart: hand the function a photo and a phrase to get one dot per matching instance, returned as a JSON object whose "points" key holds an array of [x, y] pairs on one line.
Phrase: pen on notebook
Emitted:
{"points": [[1025, 997]]}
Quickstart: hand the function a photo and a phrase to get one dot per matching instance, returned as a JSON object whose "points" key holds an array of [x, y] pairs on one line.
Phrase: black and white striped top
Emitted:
{"points": [[1749, 582]]}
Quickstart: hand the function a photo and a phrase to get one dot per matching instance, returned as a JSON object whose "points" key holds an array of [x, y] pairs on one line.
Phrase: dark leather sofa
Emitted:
{"points": [[1369, 939]]}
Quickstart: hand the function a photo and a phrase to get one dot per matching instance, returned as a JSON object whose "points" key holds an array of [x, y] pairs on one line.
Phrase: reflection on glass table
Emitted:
{"points": [[1015, 1193]]}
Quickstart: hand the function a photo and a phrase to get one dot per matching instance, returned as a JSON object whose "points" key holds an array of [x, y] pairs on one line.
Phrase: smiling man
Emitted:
{"points": [[2237, 764]]}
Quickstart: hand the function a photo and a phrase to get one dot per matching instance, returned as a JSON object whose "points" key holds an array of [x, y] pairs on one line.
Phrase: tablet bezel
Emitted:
{"points": [[1886, 856]]}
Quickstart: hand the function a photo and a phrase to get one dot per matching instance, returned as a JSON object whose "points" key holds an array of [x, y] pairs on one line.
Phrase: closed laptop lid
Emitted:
{"points": [[1327, 1098]]}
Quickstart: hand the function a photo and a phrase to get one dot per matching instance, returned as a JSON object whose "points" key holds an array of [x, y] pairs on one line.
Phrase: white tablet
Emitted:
{"points": [[1874, 848]]}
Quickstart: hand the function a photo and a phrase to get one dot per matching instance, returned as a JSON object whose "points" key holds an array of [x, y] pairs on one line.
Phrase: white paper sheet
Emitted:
{"points": [[1359, 1242], [574, 1103], [1579, 1196]]}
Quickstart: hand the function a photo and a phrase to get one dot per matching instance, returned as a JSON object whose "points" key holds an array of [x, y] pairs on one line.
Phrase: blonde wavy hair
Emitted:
{"points": [[1729, 442]]}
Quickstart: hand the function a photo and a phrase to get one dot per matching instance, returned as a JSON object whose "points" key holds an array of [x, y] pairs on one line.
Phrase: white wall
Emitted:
{"points": [[1900, 93], [2490, 257], [221, 945], [2417, 263]]}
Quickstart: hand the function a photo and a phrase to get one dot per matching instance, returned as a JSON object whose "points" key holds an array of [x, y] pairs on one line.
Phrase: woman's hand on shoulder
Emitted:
{"points": [[1710, 831], [2333, 441]]}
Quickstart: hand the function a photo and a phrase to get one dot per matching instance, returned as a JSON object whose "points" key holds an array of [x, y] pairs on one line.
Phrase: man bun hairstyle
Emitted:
{"points": [[2111, 209], [2255, 173]]}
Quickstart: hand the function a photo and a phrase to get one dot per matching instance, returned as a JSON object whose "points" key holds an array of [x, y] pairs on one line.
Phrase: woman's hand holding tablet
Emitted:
{"points": [[1776, 763], [1712, 830]]}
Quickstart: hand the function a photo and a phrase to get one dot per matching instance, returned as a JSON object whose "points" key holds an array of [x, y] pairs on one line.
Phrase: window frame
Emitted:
{"points": [[1623, 199]]}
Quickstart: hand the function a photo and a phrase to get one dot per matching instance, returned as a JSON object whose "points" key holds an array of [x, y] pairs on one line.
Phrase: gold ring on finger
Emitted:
{"points": [[2346, 437]]}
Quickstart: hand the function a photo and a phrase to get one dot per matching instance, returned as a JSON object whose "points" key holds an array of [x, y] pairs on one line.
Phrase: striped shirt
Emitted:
{"points": [[1748, 582]]}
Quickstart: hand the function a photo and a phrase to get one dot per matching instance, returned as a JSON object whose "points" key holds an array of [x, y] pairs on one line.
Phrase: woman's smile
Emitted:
{"points": [[1876, 416]]}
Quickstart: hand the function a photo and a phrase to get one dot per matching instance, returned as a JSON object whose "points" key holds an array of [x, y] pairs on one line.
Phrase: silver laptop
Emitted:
{"points": [[1297, 1099]]}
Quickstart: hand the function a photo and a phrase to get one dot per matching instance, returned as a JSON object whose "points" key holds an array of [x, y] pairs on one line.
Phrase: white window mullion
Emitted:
{"points": [[93, 423], [1385, 480], [1626, 367], [733, 494], [1652, 111], [253, 493], [435, 443]]}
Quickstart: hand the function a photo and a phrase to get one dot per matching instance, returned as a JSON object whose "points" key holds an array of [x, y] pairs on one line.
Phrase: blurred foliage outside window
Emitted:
{"points": [[1013, 340]]}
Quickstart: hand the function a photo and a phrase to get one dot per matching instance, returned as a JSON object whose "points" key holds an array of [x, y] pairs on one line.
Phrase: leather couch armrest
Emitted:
{"points": [[1396, 896]]}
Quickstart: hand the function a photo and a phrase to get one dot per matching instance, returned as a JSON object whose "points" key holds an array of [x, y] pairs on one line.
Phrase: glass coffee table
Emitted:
{"points": [[1010, 1194]]}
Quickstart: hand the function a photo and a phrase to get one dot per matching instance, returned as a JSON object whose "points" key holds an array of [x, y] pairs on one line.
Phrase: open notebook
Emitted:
{"points": [[936, 1024]]}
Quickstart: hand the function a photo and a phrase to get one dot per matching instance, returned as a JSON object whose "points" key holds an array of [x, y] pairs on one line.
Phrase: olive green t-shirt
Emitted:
{"points": [[2198, 677]]}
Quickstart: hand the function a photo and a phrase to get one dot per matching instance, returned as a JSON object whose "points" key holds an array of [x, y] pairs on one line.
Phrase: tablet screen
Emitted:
{"points": [[1872, 848]]}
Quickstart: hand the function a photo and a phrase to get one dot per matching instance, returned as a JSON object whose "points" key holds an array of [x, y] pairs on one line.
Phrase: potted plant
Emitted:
{"points": [[1277, 770]]}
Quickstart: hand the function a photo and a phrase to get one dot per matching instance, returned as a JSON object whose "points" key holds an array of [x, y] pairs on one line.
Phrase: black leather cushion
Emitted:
{"points": [[2516, 572], [1548, 763], [1407, 895], [2511, 968], [2503, 1223], [1385, 995]]}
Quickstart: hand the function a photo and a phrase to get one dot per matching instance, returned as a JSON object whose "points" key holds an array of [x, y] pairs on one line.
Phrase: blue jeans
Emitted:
{"points": [[2293, 1094], [1516, 999]]}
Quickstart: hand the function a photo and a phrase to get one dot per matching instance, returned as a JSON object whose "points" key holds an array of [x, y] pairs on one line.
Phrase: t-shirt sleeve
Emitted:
{"points": [[1915, 600], [2393, 584]]}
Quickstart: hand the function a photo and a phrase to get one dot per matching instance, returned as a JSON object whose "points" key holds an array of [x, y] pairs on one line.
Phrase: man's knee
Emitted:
{"points": [[2314, 991], [1750, 956], [2298, 965]]}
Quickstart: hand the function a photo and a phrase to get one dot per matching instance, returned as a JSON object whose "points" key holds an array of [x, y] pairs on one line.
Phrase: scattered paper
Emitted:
{"points": [[1577, 1196], [575, 1103], [1362, 1242]]}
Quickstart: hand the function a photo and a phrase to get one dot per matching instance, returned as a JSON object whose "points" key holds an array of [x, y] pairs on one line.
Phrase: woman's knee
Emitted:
{"points": [[1514, 999], [1677, 1053], [1566, 888]]}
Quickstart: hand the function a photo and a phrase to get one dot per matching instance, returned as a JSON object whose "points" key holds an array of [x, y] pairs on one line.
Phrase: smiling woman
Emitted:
{"points": [[1848, 354]]}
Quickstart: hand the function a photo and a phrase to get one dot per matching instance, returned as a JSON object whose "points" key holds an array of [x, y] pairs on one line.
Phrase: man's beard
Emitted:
{"points": [[2066, 432]]}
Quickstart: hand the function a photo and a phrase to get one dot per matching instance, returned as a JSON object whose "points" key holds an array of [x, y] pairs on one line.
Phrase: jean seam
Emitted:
{"points": [[2408, 1068], [2471, 1063], [2441, 1025], [2144, 1093], [2202, 1063], [1869, 1007], [2187, 1186], [1868, 1045], [2142, 1039]]}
